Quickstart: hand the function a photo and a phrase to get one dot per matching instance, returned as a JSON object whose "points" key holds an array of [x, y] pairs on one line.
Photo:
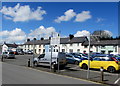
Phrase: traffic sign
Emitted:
{"points": [[55, 41]]}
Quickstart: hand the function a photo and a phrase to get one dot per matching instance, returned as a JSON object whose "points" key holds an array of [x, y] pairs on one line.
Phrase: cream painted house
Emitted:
{"points": [[66, 45]]}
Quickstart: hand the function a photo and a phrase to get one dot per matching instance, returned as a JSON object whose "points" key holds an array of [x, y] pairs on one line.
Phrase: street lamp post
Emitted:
{"points": [[89, 39], [88, 72], [51, 58], [33, 50]]}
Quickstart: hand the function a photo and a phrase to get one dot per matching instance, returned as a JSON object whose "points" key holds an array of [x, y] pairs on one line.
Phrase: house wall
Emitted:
{"points": [[108, 49], [119, 49], [74, 47]]}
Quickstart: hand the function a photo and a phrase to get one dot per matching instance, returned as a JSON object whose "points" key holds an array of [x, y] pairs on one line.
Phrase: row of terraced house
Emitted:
{"points": [[75, 44]]}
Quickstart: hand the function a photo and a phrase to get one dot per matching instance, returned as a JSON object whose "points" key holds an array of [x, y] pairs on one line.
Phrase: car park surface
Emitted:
{"points": [[70, 70]]}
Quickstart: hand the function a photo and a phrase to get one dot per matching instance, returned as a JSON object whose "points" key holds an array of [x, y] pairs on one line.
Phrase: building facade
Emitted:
{"points": [[76, 44], [7, 47], [68, 45]]}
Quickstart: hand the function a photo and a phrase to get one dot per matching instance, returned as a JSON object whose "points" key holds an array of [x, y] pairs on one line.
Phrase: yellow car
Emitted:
{"points": [[110, 64]]}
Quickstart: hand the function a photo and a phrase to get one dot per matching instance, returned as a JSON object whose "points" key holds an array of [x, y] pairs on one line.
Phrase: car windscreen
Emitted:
{"points": [[4, 52], [11, 52]]}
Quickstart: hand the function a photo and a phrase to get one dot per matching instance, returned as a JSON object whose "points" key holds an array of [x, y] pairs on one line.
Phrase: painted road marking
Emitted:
{"points": [[117, 81]]}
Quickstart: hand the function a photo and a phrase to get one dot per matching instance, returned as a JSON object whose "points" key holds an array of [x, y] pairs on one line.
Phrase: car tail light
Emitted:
{"points": [[115, 60]]}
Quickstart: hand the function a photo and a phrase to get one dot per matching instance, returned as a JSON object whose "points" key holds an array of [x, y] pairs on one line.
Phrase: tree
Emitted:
{"points": [[103, 33]]}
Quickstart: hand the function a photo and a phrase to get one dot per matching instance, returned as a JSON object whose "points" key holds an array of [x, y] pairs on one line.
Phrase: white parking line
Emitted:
{"points": [[117, 81]]}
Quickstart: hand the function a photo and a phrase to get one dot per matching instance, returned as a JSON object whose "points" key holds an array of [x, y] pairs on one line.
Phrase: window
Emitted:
{"points": [[39, 50], [71, 50], [103, 52], [78, 50], [63, 45], [43, 50], [91, 46], [115, 48], [56, 50], [35, 50], [85, 46], [63, 50], [25, 46], [41, 56], [70, 44], [103, 46], [110, 52]]}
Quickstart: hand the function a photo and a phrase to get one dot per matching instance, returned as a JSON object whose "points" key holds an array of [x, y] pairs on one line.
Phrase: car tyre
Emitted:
{"points": [[84, 66], [76, 62], [35, 64], [111, 69]]}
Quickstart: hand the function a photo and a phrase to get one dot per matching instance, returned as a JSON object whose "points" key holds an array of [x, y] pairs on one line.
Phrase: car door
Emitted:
{"points": [[70, 59], [95, 63], [41, 58]]}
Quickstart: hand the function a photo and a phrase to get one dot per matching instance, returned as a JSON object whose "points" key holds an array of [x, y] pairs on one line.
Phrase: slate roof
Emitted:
{"points": [[104, 42], [62, 41], [12, 45]]}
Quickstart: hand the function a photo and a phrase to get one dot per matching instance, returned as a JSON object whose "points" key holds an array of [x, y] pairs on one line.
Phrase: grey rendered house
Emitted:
{"points": [[106, 46]]}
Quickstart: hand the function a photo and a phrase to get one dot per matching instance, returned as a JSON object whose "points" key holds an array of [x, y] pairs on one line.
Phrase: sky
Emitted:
{"points": [[22, 20]]}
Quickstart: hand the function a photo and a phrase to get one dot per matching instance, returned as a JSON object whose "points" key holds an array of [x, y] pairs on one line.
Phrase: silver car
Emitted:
{"points": [[8, 55]]}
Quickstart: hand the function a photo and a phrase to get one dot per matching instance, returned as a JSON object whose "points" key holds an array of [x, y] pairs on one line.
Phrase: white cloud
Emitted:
{"points": [[82, 33], [42, 32], [83, 16], [68, 15], [16, 35], [22, 13], [99, 20]]}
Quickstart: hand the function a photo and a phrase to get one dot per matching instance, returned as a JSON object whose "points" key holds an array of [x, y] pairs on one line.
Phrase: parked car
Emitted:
{"points": [[108, 63], [73, 59], [80, 56], [45, 59], [20, 52], [29, 52], [8, 55]]}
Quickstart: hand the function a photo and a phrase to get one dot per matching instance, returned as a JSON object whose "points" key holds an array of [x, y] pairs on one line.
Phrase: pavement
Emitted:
{"points": [[71, 71], [14, 74]]}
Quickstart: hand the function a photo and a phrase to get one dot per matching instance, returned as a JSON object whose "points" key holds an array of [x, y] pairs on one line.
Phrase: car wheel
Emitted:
{"points": [[76, 62], [111, 69], [35, 63], [84, 66]]}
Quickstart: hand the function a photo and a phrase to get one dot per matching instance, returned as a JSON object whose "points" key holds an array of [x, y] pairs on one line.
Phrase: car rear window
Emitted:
{"points": [[118, 58], [11, 52]]}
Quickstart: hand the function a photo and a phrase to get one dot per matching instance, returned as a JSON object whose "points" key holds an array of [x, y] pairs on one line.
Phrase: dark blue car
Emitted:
{"points": [[72, 59]]}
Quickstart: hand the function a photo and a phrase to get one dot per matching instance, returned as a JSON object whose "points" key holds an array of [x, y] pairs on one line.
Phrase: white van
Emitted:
{"points": [[45, 59]]}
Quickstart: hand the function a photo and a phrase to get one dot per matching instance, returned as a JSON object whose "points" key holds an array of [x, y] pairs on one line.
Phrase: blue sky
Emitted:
{"points": [[101, 16]]}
